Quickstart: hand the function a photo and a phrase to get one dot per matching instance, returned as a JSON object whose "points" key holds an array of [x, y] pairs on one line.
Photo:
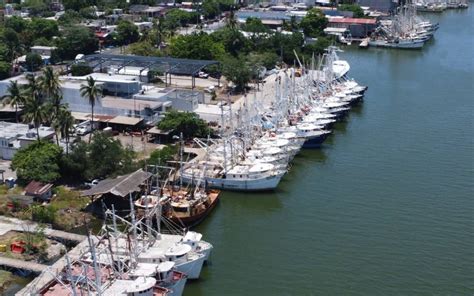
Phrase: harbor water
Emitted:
{"points": [[386, 207]]}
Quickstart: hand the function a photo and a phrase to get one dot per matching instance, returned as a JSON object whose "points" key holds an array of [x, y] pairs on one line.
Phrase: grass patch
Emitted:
{"points": [[67, 199]]}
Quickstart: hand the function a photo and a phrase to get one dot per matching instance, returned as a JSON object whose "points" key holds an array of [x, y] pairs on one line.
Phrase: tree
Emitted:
{"points": [[50, 84], [266, 59], [41, 27], [33, 61], [356, 9], [233, 40], [313, 23], [107, 157], [236, 71], [5, 69], [163, 155], [76, 40], [34, 110], [187, 123], [254, 25], [144, 48], [196, 46], [127, 32], [62, 122], [38, 161], [12, 42], [16, 23], [80, 69], [65, 121], [14, 97], [210, 9], [92, 92]]}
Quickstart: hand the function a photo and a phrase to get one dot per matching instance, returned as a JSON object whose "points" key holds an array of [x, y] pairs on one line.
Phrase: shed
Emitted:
{"points": [[121, 186], [39, 190]]}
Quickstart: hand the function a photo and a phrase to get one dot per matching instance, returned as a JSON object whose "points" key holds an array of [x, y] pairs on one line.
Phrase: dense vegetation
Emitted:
{"points": [[187, 123]]}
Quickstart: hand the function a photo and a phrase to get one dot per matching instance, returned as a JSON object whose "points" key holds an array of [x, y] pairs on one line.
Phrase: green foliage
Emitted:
{"points": [[254, 25], [179, 18], [210, 9], [39, 161], [33, 61], [76, 40], [187, 123], [266, 59], [144, 48], [12, 44], [35, 7], [127, 32], [233, 40], [43, 28], [163, 155], [103, 157], [356, 9], [5, 69], [237, 71], [18, 24], [313, 23], [42, 214], [80, 69], [318, 47], [196, 46], [70, 17], [77, 4]]}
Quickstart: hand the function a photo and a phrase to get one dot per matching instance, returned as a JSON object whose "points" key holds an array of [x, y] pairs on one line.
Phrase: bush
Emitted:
{"points": [[187, 123], [43, 214], [80, 69], [33, 61]]}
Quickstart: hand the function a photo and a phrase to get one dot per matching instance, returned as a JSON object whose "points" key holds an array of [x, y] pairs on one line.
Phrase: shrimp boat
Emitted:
{"points": [[188, 208]]}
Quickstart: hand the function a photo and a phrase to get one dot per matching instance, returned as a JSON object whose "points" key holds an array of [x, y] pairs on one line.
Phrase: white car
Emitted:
{"points": [[202, 74]]}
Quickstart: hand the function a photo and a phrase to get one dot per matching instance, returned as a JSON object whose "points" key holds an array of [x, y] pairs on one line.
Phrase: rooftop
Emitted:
{"points": [[22, 131], [160, 64], [120, 186], [348, 20]]}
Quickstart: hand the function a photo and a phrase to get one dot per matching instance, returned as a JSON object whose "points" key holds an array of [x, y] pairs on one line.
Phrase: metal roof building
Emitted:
{"points": [[166, 65]]}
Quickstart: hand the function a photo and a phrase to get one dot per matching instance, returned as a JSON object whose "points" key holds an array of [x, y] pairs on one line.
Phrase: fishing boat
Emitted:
{"points": [[188, 208]]}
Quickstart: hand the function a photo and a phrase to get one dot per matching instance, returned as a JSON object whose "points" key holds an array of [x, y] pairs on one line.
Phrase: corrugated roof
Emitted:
{"points": [[37, 188], [348, 20], [120, 186], [125, 120]]}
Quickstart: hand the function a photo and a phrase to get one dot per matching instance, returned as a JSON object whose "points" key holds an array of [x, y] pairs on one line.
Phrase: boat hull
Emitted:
{"points": [[264, 184], [194, 220]]}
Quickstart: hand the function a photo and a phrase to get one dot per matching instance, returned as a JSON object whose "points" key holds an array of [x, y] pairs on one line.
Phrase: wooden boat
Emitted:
{"points": [[189, 208]]}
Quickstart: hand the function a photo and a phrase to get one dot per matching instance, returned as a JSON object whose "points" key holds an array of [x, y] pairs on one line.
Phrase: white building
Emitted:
{"points": [[14, 136]]}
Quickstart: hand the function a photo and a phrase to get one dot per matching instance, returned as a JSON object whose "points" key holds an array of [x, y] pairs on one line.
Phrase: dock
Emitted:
{"points": [[23, 265], [13, 224], [48, 273]]}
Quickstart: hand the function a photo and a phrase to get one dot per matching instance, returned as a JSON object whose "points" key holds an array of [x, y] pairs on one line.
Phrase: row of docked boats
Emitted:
{"points": [[440, 5], [136, 260], [259, 141], [405, 30]]}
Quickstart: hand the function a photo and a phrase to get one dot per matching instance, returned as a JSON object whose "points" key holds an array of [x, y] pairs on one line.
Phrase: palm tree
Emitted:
{"points": [[34, 109], [92, 92], [55, 118], [14, 97], [35, 112], [32, 88], [63, 124], [49, 83]]}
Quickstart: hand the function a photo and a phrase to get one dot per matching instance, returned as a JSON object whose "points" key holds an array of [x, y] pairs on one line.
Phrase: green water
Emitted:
{"points": [[386, 207]]}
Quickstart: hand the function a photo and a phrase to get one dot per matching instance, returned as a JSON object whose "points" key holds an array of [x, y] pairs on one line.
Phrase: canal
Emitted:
{"points": [[385, 207]]}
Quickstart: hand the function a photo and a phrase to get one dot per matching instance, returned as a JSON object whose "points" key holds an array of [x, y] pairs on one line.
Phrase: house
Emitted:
{"points": [[44, 51], [14, 136], [39, 191], [358, 27]]}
